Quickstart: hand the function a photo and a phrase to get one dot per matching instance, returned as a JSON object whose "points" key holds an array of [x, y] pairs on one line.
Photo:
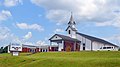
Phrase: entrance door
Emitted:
{"points": [[68, 48], [77, 47], [84, 46]]}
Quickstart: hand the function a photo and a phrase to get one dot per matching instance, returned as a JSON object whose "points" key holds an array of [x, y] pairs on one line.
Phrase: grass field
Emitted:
{"points": [[62, 59]]}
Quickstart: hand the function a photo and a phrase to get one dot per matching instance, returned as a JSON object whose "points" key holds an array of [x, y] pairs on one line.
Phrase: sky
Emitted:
{"points": [[35, 21]]}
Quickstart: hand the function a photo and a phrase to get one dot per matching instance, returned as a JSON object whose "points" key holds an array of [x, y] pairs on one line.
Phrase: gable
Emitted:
{"points": [[68, 28], [73, 29], [72, 32], [62, 37], [55, 37]]}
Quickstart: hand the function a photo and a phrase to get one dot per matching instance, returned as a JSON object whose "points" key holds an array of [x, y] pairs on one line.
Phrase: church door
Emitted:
{"points": [[84, 46], [68, 48]]}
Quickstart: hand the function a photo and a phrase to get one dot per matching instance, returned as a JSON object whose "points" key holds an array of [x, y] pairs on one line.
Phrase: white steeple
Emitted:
{"points": [[71, 29], [72, 22]]}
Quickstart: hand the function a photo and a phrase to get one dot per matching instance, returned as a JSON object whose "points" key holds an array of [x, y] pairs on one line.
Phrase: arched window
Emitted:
{"points": [[69, 32]]}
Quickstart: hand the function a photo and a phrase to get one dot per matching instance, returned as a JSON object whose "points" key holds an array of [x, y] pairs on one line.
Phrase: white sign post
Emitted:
{"points": [[15, 49]]}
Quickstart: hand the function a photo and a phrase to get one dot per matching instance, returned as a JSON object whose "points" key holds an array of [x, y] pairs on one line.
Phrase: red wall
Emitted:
{"points": [[53, 49], [68, 44], [77, 47], [37, 49], [71, 45], [25, 49]]}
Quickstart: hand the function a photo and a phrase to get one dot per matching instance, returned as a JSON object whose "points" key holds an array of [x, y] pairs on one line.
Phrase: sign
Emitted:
{"points": [[15, 47], [15, 53]]}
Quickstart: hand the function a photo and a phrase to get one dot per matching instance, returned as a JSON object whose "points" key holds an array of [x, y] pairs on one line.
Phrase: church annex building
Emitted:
{"points": [[76, 41]]}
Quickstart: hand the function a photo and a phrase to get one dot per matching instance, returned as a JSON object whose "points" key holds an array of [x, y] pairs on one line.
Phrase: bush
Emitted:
{"points": [[119, 49], [4, 49]]}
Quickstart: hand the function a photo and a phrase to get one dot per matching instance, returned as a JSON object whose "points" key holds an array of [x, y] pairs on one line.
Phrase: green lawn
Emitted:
{"points": [[63, 59]]}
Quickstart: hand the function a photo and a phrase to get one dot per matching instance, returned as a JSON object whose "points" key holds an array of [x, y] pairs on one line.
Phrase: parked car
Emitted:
{"points": [[106, 49]]}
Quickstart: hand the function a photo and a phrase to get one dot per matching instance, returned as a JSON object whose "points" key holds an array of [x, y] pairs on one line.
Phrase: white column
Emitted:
{"points": [[50, 44], [39, 48], [62, 44], [91, 45], [80, 46], [59, 46], [75, 45], [8, 48]]}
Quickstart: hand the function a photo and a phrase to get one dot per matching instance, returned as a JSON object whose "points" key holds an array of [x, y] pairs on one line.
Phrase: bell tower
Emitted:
{"points": [[71, 22], [71, 29]]}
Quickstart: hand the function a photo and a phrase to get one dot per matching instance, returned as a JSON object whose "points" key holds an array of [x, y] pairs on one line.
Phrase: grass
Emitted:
{"points": [[62, 59]]}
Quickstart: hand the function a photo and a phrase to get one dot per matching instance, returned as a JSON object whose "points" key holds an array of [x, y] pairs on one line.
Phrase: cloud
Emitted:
{"points": [[28, 43], [41, 43], [11, 3], [18, 40], [83, 11], [32, 26], [59, 31], [114, 22], [5, 33], [6, 37], [115, 39], [28, 35], [58, 16], [23, 40], [101, 11], [4, 15]]}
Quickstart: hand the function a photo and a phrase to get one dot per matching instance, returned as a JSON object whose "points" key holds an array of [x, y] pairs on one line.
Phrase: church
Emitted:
{"points": [[76, 41]]}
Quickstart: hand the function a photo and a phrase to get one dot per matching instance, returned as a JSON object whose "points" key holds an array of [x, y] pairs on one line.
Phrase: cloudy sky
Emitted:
{"points": [[35, 21]]}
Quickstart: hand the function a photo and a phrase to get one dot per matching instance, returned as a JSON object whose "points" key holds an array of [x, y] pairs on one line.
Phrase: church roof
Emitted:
{"points": [[96, 39], [71, 28], [65, 38], [71, 22], [24, 45]]}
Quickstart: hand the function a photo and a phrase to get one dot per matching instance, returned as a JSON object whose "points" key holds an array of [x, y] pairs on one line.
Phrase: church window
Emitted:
{"points": [[69, 31]]}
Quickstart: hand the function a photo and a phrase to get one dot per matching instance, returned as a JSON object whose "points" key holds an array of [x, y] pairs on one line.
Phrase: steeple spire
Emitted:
{"points": [[71, 18], [71, 21]]}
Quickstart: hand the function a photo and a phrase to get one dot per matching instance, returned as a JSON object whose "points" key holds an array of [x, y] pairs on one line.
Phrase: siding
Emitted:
{"points": [[85, 41], [72, 34], [97, 45]]}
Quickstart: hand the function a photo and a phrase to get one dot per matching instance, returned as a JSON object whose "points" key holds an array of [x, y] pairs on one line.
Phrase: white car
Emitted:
{"points": [[106, 49]]}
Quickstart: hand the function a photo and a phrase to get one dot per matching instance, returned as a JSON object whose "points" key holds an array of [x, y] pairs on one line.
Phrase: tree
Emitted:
{"points": [[1, 50], [5, 50]]}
